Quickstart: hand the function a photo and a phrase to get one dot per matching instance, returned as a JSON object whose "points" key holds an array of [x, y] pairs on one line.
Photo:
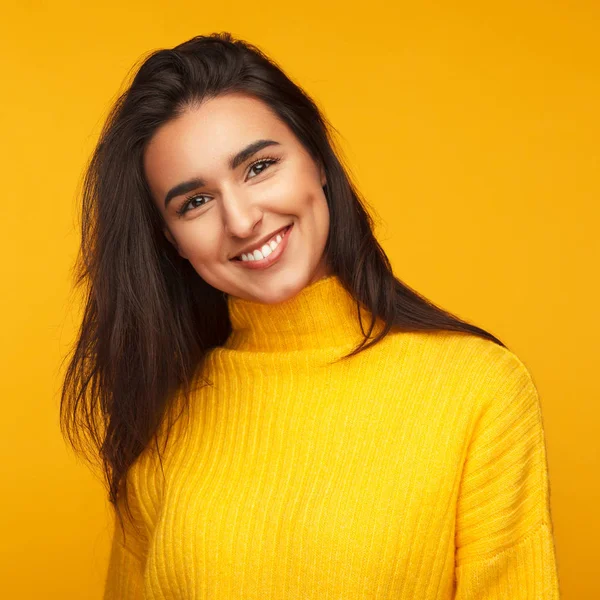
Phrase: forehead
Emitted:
{"points": [[200, 141], [218, 127]]}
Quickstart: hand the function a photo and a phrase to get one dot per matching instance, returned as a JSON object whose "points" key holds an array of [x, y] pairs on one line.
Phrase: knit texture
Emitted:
{"points": [[414, 470]]}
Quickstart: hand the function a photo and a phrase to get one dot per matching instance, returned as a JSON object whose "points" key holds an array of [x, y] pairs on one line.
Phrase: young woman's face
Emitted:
{"points": [[256, 181]]}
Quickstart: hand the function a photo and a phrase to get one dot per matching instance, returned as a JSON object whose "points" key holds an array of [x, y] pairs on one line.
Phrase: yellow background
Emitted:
{"points": [[472, 128]]}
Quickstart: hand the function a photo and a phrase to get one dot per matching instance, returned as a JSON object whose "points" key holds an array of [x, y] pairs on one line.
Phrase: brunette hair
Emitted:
{"points": [[149, 319]]}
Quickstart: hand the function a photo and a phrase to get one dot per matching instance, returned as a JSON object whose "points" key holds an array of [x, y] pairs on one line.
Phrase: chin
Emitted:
{"points": [[280, 292], [279, 288]]}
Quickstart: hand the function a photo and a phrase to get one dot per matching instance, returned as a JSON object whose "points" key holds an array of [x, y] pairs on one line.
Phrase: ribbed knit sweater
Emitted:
{"points": [[414, 470]]}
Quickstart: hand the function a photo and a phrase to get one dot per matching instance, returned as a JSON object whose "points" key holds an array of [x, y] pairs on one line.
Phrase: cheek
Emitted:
{"points": [[320, 210], [310, 203], [198, 243]]}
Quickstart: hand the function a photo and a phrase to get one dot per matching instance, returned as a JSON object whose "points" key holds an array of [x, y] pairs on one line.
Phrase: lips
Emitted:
{"points": [[260, 243]]}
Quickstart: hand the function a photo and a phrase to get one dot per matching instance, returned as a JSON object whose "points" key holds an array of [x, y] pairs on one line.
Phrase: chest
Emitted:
{"points": [[296, 491]]}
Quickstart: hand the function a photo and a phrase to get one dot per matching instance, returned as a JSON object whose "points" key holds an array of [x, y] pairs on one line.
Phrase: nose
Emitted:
{"points": [[240, 214]]}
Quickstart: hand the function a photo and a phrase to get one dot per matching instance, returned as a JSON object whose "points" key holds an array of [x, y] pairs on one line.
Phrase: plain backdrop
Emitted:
{"points": [[471, 128]]}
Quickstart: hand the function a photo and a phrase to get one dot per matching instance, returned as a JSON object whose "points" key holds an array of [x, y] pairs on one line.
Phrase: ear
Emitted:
{"points": [[173, 241], [323, 176]]}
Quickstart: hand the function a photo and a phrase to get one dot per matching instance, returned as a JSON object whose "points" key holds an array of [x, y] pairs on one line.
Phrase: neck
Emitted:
{"points": [[323, 314]]}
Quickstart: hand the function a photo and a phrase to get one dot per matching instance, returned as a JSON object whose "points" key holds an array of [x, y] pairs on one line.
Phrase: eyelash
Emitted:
{"points": [[267, 159]]}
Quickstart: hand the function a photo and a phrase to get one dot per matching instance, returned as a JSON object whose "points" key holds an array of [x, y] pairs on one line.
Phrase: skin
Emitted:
{"points": [[236, 208]]}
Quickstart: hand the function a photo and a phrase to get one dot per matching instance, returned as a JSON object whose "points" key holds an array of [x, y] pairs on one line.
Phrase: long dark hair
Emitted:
{"points": [[149, 319]]}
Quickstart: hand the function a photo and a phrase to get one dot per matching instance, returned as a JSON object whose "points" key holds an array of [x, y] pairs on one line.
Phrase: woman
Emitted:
{"points": [[343, 437]]}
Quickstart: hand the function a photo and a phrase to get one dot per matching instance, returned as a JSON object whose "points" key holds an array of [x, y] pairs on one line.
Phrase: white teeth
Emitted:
{"points": [[264, 251]]}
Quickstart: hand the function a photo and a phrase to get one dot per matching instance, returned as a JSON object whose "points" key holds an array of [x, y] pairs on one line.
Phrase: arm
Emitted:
{"points": [[125, 575], [504, 536]]}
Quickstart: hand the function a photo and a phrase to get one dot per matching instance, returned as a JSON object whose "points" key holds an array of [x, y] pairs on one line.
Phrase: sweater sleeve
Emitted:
{"points": [[125, 575], [504, 534]]}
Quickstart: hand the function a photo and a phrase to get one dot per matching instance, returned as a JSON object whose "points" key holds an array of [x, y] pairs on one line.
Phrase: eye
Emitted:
{"points": [[264, 162], [190, 203]]}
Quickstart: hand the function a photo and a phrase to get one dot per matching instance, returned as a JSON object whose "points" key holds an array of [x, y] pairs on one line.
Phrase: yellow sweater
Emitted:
{"points": [[415, 470]]}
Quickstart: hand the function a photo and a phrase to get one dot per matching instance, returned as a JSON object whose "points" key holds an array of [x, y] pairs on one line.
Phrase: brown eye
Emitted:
{"points": [[264, 162], [189, 204]]}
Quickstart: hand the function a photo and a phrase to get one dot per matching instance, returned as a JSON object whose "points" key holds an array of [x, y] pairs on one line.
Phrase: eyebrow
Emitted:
{"points": [[235, 161]]}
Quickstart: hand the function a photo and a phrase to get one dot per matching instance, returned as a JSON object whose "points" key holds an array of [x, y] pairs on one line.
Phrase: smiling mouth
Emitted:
{"points": [[280, 232]]}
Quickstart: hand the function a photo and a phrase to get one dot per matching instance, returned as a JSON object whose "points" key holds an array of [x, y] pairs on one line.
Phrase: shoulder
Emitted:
{"points": [[498, 389], [486, 361], [491, 388], [475, 357], [476, 369]]}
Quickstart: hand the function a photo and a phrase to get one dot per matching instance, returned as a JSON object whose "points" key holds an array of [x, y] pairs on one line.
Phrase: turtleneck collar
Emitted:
{"points": [[322, 315]]}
